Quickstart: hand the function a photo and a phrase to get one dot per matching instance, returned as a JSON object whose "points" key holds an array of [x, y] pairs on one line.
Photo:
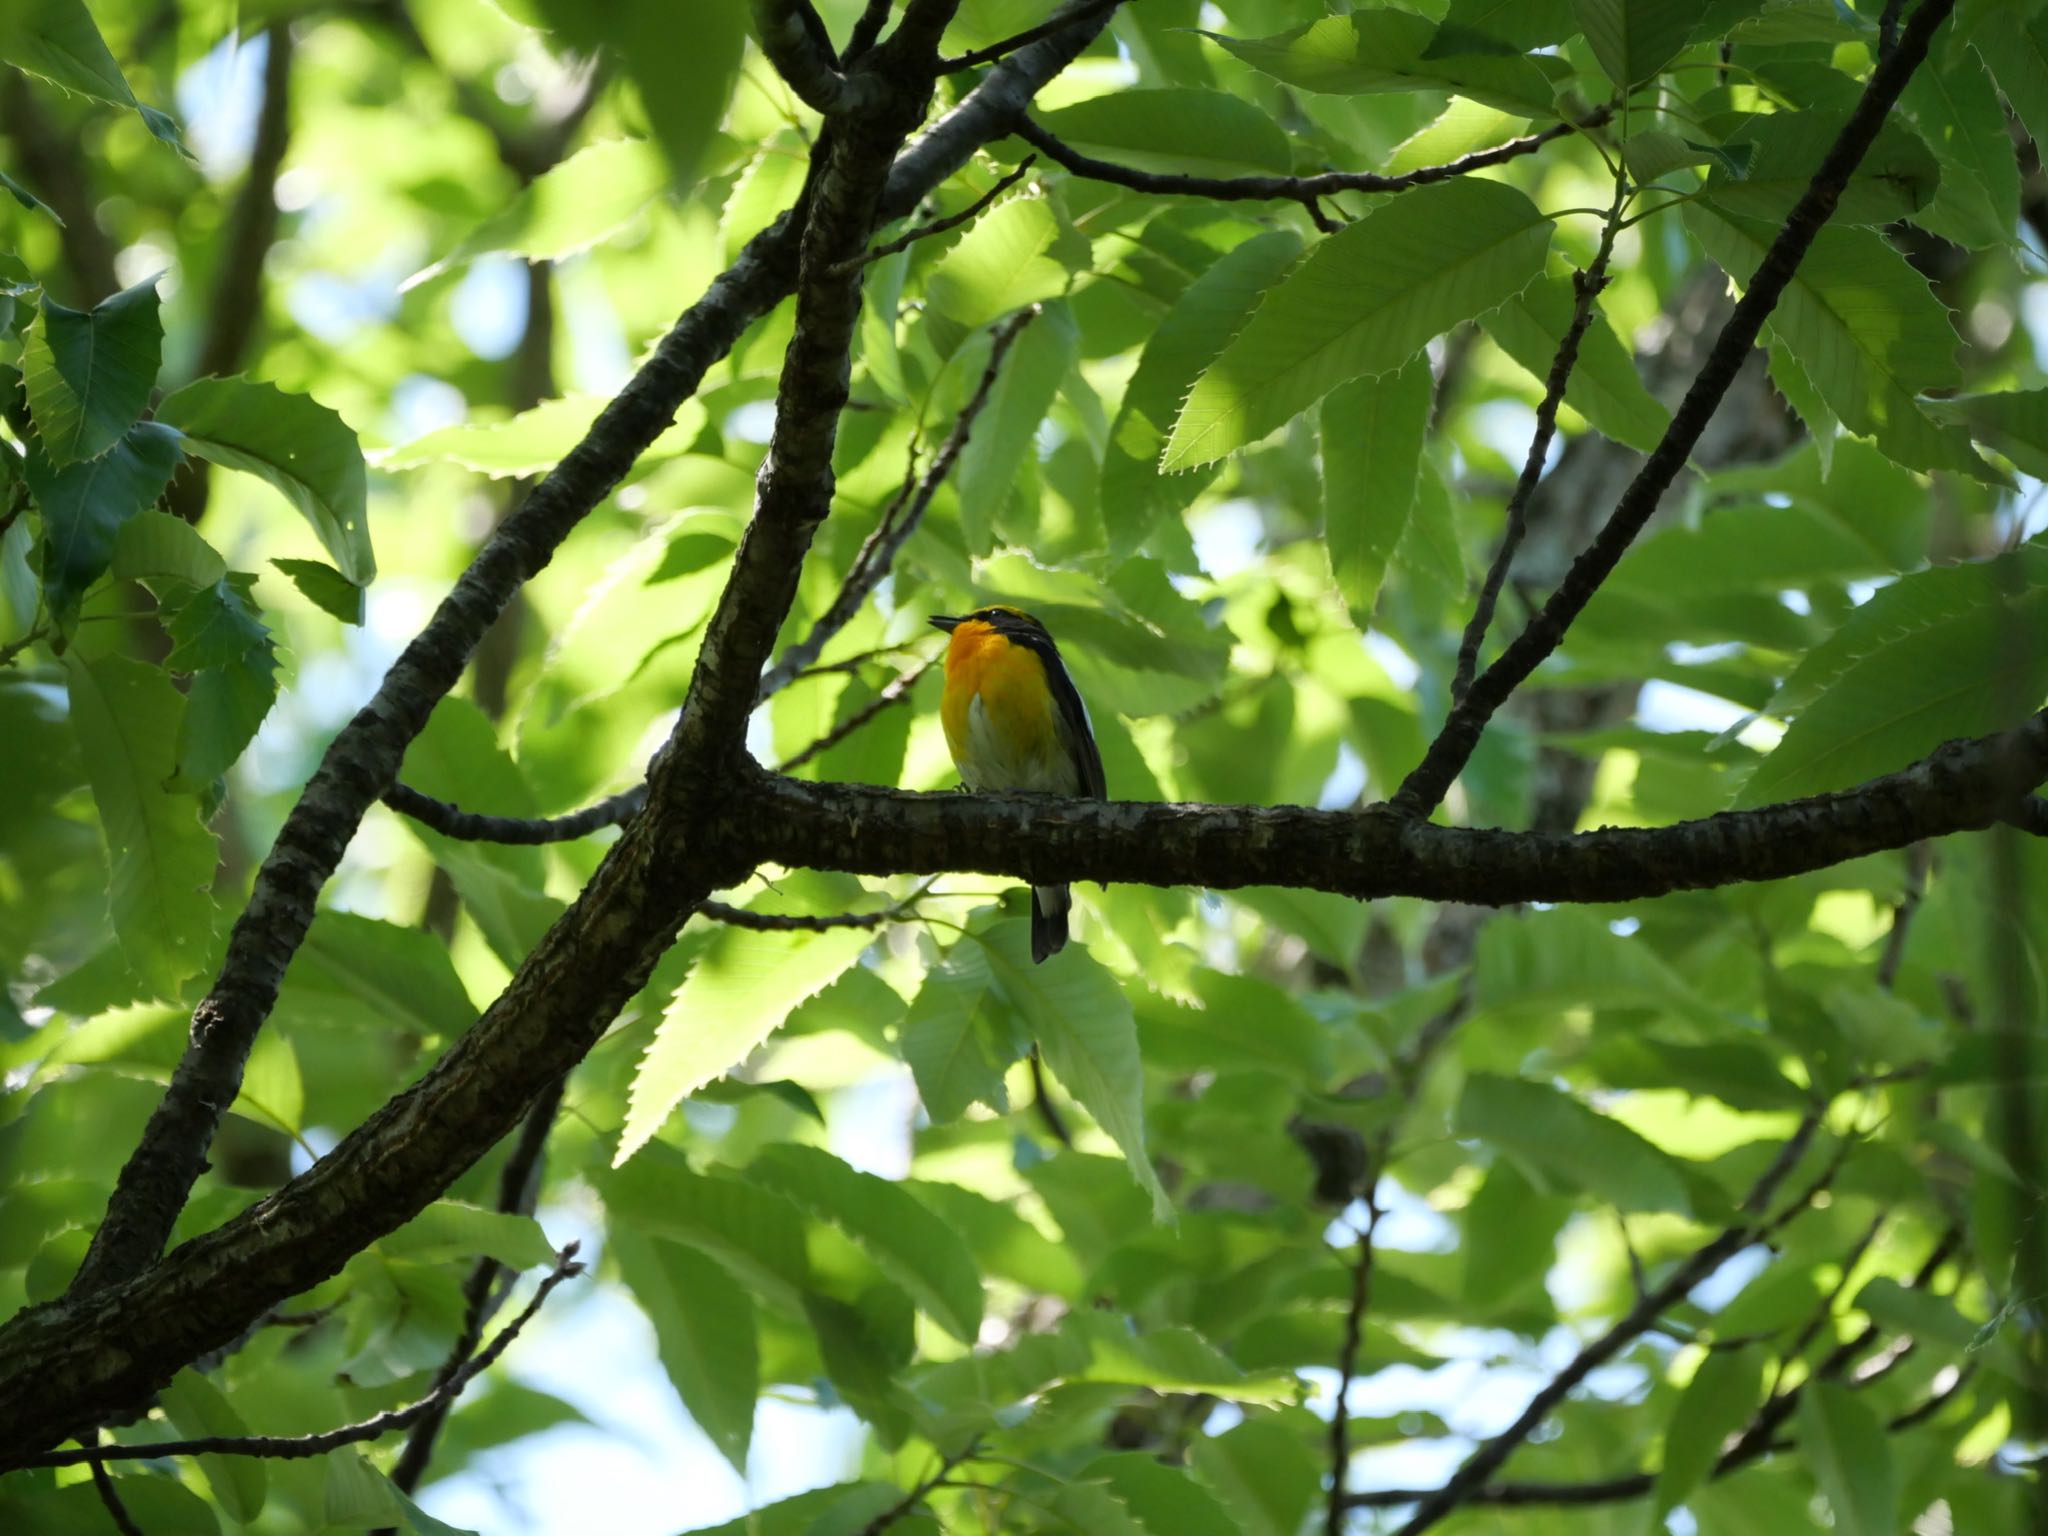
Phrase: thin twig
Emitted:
{"points": [[1085, 11], [797, 922], [1919, 860], [475, 827], [297, 1447], [1299, 189], [103, 1485], [906, 240], [921, 1492], [1041, 1100], [1586, 288], [1424, 788], [1347, 1354], [893, 692], [878, 553]]}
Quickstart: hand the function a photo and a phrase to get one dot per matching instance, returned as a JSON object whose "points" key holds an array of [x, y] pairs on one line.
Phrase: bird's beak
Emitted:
{"points": [[940, 621]]}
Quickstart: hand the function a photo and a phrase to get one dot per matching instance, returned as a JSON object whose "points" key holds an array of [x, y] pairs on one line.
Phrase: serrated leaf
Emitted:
{"points": [[574, 205], [294, 443], [755, 1233], [1372, 435], [534, 441], [1563, 1144], [1082, 1020], [1850, 1454], [1194, 132], [199, 1410], [1896, 177], [705, 1330], [1717, 1402], [1134, 495], [127, 716], [360, 970], [1003, 438], [1633, 39], [1506, 26], [840, 1510], [1865, 327], [1166, 1360], [1956, 108], [57, 41], [1263, 1471], [273, 1091], [906, 1242], [1166, 1500], [737, 995], [1604, 386], [2015, 422], [1366, 300], [157, 547], [2015, 46], [85, 505], [1954, 651], [449, 1229], [89, 373], [1003, 262], [1390, 50], [326, 588], [948, 1045]]}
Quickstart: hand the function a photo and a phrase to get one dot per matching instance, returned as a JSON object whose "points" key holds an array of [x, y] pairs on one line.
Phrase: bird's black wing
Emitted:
{"points": [[1079, 732]]}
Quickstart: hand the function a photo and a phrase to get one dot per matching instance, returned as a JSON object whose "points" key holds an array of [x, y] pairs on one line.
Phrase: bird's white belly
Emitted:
{"points": [[1002, 762]]}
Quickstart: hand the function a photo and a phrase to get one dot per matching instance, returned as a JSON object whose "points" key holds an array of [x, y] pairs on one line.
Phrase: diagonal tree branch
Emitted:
{"points": [[794, 38], [1424, 788], [362, 761], [1081, 10]]}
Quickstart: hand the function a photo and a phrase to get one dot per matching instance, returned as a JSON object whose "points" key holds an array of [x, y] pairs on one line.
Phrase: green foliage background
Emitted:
{"points": [[1250, 474]]}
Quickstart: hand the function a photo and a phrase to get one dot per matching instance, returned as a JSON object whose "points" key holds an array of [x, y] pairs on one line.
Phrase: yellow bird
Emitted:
{"points": [[1015, 721]]}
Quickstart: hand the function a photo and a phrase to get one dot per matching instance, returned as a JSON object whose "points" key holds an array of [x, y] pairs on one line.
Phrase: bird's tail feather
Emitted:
{"points": [[1049, 906]]}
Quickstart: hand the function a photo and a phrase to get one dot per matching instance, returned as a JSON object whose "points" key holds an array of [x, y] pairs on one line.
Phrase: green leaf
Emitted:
{"points": [[356, 970], [1896, 177], [1390, 50], [1633, 39], [157, 547], [1003, 438], [949, 1042], [1200, 133], [704, 1328], [1134, 495], [2015, 422], [740, 990], [1956, 107], [1166, 1500], [1372, 434], [1604, 386], [89, 375], [1082, 1020], [1717, 1402], [1959, 650], [326, 588], [587, 198], [1365, 301], [2015, 46], [218, 637], [1851, 1459], [534, 441], [448, 1229], [199, 1410], [1562, 1144], [1264, 1472], [296, 444], [1167, 1360], [1501, 26], [1864, 326], [840, 1510], [127, 716], [907, 1242], [1004, 262], [755, 1233], [85, 505], [273, 1089], [56, 40]]}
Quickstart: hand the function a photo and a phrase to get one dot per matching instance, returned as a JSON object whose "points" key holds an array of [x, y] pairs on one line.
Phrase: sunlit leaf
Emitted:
{"points": [[704, 1327], [1372, 433]]}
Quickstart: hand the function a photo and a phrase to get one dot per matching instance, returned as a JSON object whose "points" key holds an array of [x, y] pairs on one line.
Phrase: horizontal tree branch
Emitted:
{"points": [[297, 1447], [1425, 787], [1962, 786]]}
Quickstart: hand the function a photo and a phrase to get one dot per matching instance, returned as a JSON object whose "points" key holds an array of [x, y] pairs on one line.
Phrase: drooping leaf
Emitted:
{"points": [[1501, 26], [1165, 1499], [56, 40], [1896, 177], [1633, 39], [948, 1042], [704, 1327], [1202, 133], [85, 504], [737, 995], [218, 636], [2015, 422], [1005, 261], [1562, 1143], [200, 1410], [294, 443], [1372, 431], [2015, 46], [1604, 386], [127, 716], [1959, 650], [1851, 1458], [1003, 436], [326, 588], [89, 373], [907, 1243], [755, 1233], [1263, 1472], [1717, 1402], [448, 1229], [157, 547], [1956, 108], [1134, 494], [1365, 301]]}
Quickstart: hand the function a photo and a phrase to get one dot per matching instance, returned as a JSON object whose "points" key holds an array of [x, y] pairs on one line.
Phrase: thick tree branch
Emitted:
{"points": [[1963, 786], [1300, 189], [878, 552], [1586, 288], [1426, 786], [297, 1447], [362, 761], [797, 44]]}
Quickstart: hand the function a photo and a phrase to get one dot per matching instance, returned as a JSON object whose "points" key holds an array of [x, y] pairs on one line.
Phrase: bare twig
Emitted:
{"points": [[475, 827], [297, 1447], [878, 553], [1300, 189], [1425, 787], [103, 1485], [1919, 859], [1347, 1353], [906, 240], [1085, 10], [1586, 288], [894, 692]]}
